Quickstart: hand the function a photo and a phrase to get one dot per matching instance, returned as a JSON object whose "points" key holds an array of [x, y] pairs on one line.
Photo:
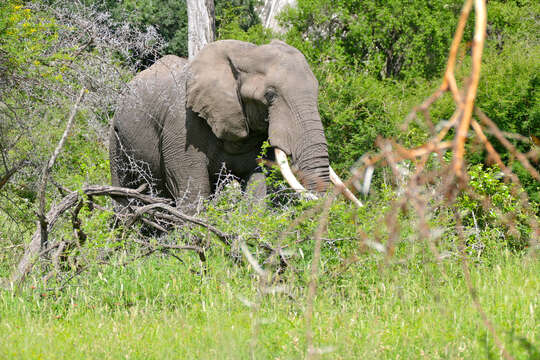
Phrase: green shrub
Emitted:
{"points": [[386, 39], [26, 43], [493, 204]]}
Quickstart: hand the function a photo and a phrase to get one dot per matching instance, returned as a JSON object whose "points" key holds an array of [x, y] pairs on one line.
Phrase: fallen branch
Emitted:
{"points": [[175, 215], [34, 247], [159, 245], [74, 199], [113, 191]]}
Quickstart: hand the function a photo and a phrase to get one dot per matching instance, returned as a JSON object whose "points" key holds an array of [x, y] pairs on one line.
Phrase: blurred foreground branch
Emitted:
{"points": [[427, 182]]}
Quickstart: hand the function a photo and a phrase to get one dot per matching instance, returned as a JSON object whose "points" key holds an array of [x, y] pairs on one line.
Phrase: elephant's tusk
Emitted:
{"points": [[281, 159], [346, 192]]}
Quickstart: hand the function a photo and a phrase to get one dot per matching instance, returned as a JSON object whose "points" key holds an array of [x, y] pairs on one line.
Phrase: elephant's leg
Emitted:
{"points": [[190, 183], [255, 187]]}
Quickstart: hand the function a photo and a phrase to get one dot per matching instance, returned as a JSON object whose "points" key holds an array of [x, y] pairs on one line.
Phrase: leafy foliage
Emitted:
{"points": [[493, 204], [31, 56], [45, 60], [385, 39]]}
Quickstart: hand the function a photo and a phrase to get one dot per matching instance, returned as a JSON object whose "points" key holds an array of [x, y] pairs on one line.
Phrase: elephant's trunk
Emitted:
{"points": [[313, 168], [310, 156]]}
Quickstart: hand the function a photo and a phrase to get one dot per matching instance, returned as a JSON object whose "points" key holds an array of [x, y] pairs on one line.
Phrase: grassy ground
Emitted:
{"points": [[157, 308]]}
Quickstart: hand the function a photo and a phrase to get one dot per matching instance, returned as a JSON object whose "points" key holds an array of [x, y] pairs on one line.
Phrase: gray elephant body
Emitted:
{"points": [[181, 121]]}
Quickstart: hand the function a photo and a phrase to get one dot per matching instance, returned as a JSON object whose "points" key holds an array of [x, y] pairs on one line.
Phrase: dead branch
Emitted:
{"points": [[160, 245], [47, 168], [33, 249], [5, 178], [449, 80], [73, 199], [112, 191], [176, 215]]}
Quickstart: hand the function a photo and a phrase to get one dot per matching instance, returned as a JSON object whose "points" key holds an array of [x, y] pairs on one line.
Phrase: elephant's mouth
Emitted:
{"points": [[288, 175]]}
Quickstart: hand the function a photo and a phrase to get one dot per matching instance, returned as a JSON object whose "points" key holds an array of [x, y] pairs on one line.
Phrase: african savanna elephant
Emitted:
{"points": [[182, 121]]}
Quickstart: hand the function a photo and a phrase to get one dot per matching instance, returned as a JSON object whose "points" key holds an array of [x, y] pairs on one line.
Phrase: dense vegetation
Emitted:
{"points": [[374, 61]]}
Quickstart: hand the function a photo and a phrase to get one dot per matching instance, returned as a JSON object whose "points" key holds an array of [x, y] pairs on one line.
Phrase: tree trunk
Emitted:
{"points": [[201, 25], [270, 9]]}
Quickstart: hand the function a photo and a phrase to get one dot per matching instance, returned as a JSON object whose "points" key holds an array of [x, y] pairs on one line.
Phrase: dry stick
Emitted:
{"points": [[33, 249], [55, 263], [507, 134], [311, 351], [223, 237], [76, 224], [94, 190], [492, 153], [47, 168], [470, 94]]}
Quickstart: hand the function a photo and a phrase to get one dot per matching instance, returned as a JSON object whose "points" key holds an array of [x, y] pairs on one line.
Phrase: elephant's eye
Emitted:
{"points": [[270, 95]]}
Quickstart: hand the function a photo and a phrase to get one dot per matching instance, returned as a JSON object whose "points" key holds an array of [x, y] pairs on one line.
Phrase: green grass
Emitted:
{"points": [[158, 308]]}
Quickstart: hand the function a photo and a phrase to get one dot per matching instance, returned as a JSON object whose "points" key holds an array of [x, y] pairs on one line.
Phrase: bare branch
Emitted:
{"points": [[5, 178], [48, 167]]}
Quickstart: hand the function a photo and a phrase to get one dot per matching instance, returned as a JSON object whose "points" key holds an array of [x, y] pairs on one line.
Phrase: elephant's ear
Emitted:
{"points": [[212, 92]]}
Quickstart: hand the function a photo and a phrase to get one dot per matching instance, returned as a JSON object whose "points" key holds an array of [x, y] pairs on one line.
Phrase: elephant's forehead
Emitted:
{"points": [[290, 73]]}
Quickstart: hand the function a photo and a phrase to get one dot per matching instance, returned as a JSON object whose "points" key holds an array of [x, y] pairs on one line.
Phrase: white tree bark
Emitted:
{"points": [[270, 9], [201, 25]]}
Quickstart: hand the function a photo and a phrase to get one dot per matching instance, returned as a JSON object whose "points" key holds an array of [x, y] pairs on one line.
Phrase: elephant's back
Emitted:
{"points": [[167, 68], [152, 94], [161, 83]]}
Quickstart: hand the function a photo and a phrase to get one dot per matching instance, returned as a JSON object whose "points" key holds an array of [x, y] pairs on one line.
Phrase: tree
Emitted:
{"points": [[201, 25], [270, 10]]}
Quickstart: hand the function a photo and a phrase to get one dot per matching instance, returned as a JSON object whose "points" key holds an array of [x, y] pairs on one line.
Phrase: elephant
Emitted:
{"points": [[181, 122]]}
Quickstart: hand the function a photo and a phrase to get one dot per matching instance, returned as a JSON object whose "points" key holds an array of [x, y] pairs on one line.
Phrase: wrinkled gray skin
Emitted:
{"points": [[185, 120]]}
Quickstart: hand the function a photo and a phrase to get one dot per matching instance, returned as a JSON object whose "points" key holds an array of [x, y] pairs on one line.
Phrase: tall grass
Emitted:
{"points": [[157, 308]]}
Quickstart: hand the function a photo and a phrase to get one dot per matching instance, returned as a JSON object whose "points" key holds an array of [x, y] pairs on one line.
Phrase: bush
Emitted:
{"points": [[394, 39], [495, 205]]}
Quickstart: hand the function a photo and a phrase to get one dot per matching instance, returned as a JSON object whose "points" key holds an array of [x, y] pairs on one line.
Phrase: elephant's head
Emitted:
{"points": [[241, 89]]}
